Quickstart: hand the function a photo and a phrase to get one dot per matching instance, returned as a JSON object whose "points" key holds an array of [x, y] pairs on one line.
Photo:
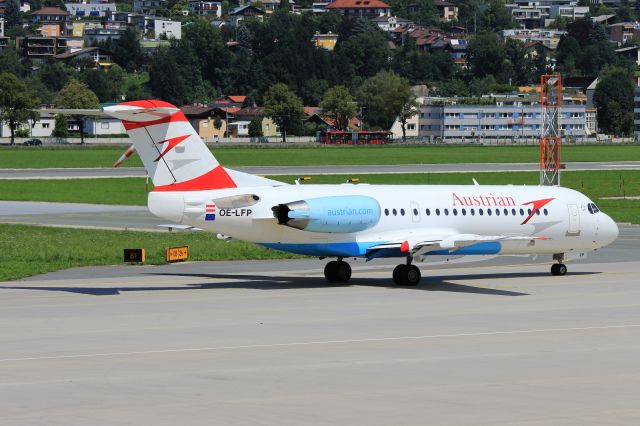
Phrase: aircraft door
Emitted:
{"points": [[415, 211], [574, 219]]}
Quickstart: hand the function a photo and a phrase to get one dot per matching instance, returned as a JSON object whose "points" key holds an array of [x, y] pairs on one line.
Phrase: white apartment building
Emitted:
{"points": [[170, 29]]}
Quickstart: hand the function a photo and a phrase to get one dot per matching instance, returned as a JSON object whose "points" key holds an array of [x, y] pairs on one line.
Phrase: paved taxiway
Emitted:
{"points": [[261, 343], [320, 170]]}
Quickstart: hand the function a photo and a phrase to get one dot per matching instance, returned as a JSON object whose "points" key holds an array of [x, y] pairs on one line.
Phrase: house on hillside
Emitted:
{"points": [[245, 12], [80, 10], [101, 58], [326, 41], [355, 8], [239, 127], [208, 9], [204, 120], [51, 21]]}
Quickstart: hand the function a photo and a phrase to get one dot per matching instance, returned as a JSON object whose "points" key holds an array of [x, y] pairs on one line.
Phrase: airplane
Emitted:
{"points": [[410, 222]]}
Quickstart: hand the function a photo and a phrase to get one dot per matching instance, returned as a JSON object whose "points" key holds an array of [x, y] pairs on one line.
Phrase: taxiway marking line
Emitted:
{"points": [[319, 342]]}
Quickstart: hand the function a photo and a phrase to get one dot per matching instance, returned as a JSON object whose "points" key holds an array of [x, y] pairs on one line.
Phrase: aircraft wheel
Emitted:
{"points": [[558, 269], [412, 275], [398, 274], [337, 272]]}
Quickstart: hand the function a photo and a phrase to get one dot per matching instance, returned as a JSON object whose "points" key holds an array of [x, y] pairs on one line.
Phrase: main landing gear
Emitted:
{"points": [[337, 271], [407, 274], [558, 268]]}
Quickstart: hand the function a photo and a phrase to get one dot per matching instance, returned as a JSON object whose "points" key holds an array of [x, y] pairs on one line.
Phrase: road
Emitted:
{"points": [[320, 170], [262, 343]]}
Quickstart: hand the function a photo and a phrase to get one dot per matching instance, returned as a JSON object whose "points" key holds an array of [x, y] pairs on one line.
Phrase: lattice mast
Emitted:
{"points": [[550, 139]]}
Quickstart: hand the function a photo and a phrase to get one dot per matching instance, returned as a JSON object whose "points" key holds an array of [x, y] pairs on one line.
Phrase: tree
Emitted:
{"points": [[128, 52], [614, 101], [17, 103], [385, 96], [338, 105], [486, 55], [61, 129], [76, 95], [255, 127], [283, 107], [12, 14]]}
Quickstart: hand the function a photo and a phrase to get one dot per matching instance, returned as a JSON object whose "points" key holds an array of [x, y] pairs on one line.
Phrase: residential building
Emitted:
{"points": [[204, 118], [319, 7], [95, 125], [101, 57], [52, 21], [325, 41], [245, 12], [210, 9], [1, 27], [632, 53], [448, 11], [89, 9], [501, 118], [549, 38], [623, 32], [271, 6], [40, 48], [412, 126], [147, 7], [528, 16], [41, 128], [239, 126], [94, 36], [568, 11], [163, 28], [390, 23], [355, 8]]}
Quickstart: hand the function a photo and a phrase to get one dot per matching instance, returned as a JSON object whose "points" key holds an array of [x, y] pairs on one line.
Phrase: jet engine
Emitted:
{"points": [[339, 214]]}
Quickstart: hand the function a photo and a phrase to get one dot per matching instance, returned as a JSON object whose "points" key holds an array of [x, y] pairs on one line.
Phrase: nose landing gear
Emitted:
{"points": [[558, 268], [337, 271]]}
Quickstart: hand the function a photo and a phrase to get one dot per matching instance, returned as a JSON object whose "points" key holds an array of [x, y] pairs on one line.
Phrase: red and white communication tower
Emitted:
{"points": [[551, 101]]}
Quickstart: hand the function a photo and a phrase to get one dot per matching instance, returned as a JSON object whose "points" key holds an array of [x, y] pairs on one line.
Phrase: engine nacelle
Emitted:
{"points": [[339, 214]]}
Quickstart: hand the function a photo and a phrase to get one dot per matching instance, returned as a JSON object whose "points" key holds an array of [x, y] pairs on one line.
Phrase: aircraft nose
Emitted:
{"points": [[607, 230]]}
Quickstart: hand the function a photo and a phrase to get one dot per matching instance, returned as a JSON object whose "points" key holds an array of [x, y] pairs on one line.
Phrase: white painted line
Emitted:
{"points": [[321, 342]]}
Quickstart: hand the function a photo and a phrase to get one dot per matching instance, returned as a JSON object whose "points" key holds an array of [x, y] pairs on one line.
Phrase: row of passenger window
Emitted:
{"points": [[471, 211]]}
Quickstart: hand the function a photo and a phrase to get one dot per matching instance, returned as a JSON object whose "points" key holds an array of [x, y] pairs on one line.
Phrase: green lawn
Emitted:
{"points": [[272, 155], [30, 250], [131, 191]]}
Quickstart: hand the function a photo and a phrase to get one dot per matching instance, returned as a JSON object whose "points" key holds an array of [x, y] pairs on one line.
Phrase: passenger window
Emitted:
{"points": [[480, 212], [415, 212], [464, 212], [546, 212], [497, 212], [529, 212], [386, 212], [521, 212], [473, 212], [506, 212], [438, 212], [537, 212], [455, 212], [402, 212], [446, 212], [488, 212], [395, 212], [428, 212], [513, 212]]}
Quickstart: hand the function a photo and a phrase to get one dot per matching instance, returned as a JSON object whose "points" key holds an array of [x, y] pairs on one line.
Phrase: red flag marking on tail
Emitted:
{"points": [[171, 143], [536, 206], [217, 178]]}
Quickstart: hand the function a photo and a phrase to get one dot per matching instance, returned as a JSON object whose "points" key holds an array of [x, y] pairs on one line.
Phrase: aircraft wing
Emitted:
{"points": [[422, 244]]}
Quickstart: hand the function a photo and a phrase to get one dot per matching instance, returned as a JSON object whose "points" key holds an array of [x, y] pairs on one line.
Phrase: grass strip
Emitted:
{"points": [[30, 250], [261, 155]]}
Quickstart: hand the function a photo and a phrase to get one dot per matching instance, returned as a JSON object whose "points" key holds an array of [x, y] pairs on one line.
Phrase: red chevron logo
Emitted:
{"points": [[171, 143], [536, 205]]}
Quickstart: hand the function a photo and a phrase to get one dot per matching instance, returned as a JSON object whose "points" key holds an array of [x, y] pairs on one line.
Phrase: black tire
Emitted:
{"points": [[399, 274], [412, 275], [330, 271], [562, 269], [343, 272], [554, 269]]}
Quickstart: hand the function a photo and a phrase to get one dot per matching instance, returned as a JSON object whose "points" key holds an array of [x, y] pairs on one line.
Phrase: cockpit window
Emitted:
{"points": [[592, 208]]}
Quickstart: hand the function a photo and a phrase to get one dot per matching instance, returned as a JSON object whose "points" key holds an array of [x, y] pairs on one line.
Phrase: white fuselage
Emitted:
{"points": [[565, 221]]}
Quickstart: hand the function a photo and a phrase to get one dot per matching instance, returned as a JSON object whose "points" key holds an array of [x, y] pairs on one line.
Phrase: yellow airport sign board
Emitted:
{"points": [[177, 254]]}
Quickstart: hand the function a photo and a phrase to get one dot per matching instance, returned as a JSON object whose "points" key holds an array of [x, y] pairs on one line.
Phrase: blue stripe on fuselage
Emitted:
{"points": [[355, 249]]}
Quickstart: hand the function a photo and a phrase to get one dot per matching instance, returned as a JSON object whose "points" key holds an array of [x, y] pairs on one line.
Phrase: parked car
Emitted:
{"points": [[33, 142]]}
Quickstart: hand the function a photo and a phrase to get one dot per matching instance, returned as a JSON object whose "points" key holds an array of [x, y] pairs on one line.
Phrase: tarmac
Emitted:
{"points": [[123, 172], [271, 343]]}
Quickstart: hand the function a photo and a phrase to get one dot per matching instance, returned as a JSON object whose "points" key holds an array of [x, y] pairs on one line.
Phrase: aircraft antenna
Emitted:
{"points": [[550, 139]]}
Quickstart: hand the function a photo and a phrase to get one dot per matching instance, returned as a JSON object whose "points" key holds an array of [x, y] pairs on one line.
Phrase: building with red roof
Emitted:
{"points": [[371, 8]]}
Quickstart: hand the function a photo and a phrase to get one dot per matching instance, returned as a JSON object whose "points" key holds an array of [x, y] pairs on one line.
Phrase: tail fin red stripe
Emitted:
{"points": [[131, 125], [217, 178]]}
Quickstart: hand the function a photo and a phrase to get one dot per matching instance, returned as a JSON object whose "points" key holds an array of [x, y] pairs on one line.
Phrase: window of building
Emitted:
{"points": [[45, 125]]}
